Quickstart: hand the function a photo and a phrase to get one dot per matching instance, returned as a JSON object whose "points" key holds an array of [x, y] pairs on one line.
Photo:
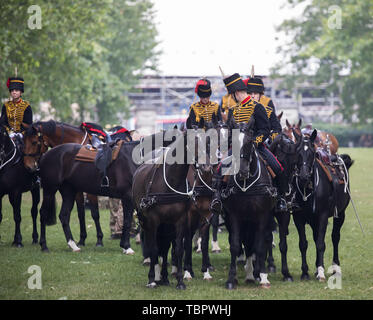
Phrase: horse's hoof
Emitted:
{"points": [[146, 262], [265, 286], [305, 276], [287, 279], [181, 286], [99, 244], [163, 282], [45, 250], [211, 268], [34, 242], [17, 244], [230, 286], [151, 285], [128, 252], [272, 269]]}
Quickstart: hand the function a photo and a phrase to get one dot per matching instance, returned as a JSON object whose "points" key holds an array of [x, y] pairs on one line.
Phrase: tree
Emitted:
{"points": [[79, 54], [331, 42]]}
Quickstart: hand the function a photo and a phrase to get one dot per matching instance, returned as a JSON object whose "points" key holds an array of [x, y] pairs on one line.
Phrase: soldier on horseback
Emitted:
{"points": [[245, 108], [16, 111], [205, 108]]}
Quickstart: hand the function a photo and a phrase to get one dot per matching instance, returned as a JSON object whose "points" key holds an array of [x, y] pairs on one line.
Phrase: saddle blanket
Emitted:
{"points": [[88, 154]]}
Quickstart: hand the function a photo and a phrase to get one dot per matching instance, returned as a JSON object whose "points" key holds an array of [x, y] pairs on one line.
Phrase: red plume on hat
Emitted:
{"points": [[8, 83], [200, 83], [245, 81]]}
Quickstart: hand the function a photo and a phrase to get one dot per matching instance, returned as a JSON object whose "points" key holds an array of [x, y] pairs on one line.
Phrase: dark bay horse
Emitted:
{"points": [[286, 151], [162, 197], [59, 171], [321, 196], [248, 201], [49, 134], [14, 180]]}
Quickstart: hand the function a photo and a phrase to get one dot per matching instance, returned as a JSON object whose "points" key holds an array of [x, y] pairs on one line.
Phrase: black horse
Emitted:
{"points": [[321, 196], [162, 197], [286, 151], [14, 180], [248, 200]]}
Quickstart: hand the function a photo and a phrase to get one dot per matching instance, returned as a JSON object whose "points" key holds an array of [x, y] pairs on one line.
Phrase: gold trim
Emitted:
{"points": [[235, 80], [254, 84], [17, 81]]}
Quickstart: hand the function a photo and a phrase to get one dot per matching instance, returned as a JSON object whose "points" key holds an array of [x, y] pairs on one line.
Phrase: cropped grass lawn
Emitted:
{"points": [[106, 273]]}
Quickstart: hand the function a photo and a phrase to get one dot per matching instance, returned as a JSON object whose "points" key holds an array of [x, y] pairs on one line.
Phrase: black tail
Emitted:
{"points": [[48, 210]]}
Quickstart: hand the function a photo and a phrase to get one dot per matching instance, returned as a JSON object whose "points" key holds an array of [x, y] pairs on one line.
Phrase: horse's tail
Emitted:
{"points": [[347, 160], [48, 210]]}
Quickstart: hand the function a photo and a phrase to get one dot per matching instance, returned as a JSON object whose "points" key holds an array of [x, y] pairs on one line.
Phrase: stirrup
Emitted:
{"points": [[105, 182], [281, 205]]}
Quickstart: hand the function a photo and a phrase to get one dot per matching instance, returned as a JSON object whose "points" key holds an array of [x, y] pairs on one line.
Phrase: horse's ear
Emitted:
{"points": [[26, 125], [299, 123], [192, 120], [288, 124], [175, 126], [313, 135], [279, 116], [188, 123]]}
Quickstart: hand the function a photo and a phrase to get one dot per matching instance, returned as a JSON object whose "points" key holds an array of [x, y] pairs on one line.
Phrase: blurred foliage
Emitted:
{"points": [[88, 51], [320, 50]]}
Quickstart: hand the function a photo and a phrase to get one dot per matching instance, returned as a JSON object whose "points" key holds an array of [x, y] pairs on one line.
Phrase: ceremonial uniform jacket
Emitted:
{"points": [[16, 113], [268, 105], [227, 102], [205, 111], [249, 108]]}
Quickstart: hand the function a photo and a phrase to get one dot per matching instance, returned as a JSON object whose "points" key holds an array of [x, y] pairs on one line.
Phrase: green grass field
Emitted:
{"points": [[105, 273]]}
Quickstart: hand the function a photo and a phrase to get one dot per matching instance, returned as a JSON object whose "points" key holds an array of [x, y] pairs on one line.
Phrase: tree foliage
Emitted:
{"points": [[87, 51], [341, 55]]}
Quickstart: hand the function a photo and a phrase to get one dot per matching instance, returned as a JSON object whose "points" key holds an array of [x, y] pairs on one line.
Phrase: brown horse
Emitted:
{"points": [[47, 134], [324, 140]]}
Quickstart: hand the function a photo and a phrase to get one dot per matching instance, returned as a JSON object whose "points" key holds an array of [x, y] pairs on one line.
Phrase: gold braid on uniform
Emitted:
{"points": [[15, 112], [204, 111]]}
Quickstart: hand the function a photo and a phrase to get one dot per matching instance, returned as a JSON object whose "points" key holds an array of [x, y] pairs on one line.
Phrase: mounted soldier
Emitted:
{"points": [[245, 108], [255, 88], [205, 108], [16, 111]]}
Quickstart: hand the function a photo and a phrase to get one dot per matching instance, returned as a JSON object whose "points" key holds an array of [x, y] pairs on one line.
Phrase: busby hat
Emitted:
{"points": [[234, 83], [203, 88], [255, 84], [16, 83]]}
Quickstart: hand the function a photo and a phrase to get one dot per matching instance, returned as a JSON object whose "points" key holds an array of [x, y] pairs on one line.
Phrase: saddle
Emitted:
{"points": [[94, 129], [102, 157]]}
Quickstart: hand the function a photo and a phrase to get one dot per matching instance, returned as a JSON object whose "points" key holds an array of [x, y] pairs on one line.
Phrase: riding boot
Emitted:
{"points": [[282, 185], [216, 205]]}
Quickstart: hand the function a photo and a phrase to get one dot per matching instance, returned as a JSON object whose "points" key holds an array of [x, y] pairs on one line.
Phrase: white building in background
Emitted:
{"points": [[171, 96]]}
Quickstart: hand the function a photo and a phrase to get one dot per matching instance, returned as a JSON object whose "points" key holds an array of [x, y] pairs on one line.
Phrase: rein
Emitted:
{"points": [[12, 157]]}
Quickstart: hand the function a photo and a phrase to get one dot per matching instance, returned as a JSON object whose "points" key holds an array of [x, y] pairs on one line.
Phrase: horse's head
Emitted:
{"points": [[34, 147], [290, 128], [306, 159], [286, 150]]}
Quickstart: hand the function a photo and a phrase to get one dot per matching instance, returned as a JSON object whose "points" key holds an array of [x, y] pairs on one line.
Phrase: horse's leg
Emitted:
{"points": [[260, 250], [188, 274], [320, 244], [300, 224], [1, 209], [336, 235], [164, 273], [93, 200], [283, 219], [150, 240], [268, 244], [127, 222], [206, 265], [68, 197], [15, 199], [47, 210], [179, 250], [35, 193], [79, 199], [235, 246], [215, 226]]}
